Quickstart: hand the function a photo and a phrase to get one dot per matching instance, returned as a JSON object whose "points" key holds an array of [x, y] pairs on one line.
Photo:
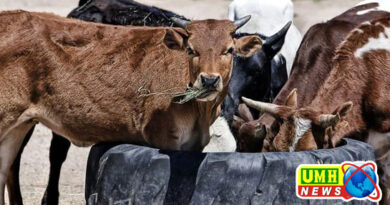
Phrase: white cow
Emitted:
{"points": [[222, 140], [268, 16]]}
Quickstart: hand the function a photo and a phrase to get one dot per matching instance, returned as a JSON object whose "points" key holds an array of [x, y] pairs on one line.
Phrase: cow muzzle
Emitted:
{"points": [[212, 84], [210, 81]]}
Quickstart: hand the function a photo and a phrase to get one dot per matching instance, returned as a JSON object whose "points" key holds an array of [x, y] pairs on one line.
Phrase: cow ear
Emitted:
{"points": [[247, 46], [175, 38], [343, 109], [327, 120], [292, 99]]}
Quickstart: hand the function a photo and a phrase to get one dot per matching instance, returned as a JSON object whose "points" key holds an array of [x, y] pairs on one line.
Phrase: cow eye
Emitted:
{"points": [[229, 51], [191, 52]]}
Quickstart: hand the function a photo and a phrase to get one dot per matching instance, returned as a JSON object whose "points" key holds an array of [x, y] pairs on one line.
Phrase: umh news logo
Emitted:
{"points": [[346, 181]]}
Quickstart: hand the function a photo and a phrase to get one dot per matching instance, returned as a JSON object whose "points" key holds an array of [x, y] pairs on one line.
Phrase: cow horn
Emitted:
{"points": [[260, 106], [327, 120], [180, 22], [277, 36], [242, 21]]}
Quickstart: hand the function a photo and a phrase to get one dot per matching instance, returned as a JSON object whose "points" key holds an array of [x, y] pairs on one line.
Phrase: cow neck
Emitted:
{"points": [[207, 110], [346, 82]]}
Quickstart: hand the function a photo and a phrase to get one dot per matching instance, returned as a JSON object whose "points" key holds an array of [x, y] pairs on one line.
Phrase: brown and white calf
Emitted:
{"points": [[360, 74], [83, 80]]}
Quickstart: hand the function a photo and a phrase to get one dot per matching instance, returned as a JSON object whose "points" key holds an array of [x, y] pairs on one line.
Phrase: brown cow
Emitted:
{"points": [[361, 74], [83, 80], [312, 66]]}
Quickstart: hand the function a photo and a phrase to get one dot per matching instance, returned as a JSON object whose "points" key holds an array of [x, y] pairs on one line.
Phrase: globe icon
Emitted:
{"points": [[359, 185]]}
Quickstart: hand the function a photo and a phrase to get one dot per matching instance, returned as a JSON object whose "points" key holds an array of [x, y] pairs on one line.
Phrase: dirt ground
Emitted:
{"points": [[35, 163]]}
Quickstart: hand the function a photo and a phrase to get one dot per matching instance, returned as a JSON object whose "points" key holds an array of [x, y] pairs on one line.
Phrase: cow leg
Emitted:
{"points": [[58, 151], [13, 186], [9, 147]]}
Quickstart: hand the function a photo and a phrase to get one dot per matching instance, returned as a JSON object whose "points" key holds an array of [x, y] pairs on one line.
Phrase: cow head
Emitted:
{"points": [[301, 129], [210, 46], [252, 77]]}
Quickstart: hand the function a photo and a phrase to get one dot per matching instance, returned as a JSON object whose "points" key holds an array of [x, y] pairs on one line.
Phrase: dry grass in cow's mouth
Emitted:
{"points": [[186, 96], [193, 93]]}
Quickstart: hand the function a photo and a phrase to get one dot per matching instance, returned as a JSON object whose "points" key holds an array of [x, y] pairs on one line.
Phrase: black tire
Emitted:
{"points": [[141, 175]]}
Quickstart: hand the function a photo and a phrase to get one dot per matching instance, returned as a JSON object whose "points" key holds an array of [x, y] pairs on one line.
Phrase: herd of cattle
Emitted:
{"points": [[83, 80]]}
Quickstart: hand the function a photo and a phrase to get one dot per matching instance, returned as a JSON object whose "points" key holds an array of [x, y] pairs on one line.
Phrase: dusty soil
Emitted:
{"points": [[35, 163]]}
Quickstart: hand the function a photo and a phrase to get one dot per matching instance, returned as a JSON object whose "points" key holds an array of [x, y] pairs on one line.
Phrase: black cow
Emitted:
{"points": [[260, 76], [123, 12], [127, 12]]}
